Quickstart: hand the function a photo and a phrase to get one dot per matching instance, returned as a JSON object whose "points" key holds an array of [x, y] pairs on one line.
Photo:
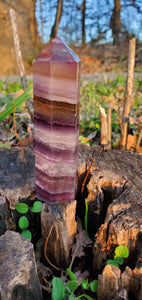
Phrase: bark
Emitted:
{"points": [[116, 22], [129, 93], [54, 30], [83, 22]]}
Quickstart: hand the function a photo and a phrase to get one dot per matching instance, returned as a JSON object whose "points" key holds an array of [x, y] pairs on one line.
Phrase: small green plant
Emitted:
{"points": [[4, 146], [16, 103], [93, 285], [23, 222], [121, 252], [60, 290]]}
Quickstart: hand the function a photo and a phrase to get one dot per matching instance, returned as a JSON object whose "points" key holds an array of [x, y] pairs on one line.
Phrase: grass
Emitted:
{"points": [[106, 94], [109, 93]]}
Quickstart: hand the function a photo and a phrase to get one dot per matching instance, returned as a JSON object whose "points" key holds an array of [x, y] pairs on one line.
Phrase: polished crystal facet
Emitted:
{"points": [[56, 121]]}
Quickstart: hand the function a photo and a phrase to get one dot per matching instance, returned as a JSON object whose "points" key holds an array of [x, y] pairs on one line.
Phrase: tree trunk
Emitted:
{"points": [[57, 19], [42, 22], [116, 22], [83, 22]]}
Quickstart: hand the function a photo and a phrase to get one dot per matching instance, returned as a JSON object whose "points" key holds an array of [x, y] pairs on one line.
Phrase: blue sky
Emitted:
{"points": [[100, 10]]}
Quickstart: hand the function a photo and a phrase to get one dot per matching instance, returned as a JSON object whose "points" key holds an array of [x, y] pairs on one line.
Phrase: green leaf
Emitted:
{"points": [[71, 275], [1, 145], [121, 251], [94, 285], [72, 285], [7, 147], [23, 222], [26, 234], [85, 284], [22, 208], [16, 103], [37, 207], [86, 215], [58, 290], [112, 262], [119, 260], [97, 126]]}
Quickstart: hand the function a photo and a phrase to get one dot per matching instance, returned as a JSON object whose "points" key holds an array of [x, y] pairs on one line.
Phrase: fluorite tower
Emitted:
{"points": [[56, 120]]}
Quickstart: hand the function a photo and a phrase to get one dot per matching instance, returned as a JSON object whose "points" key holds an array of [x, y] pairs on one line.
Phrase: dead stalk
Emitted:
{"points": [[88, 171], [138, 140], [19, 58], [109, 127], [129, 93], [104, 127]]}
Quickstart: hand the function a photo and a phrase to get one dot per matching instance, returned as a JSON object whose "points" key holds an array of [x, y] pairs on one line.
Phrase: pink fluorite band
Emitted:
{"points": [[56, 111]]}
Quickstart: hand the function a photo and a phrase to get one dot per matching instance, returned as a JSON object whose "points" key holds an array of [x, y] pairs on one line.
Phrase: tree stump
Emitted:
{"points": [[114, 197], [113, 190]]}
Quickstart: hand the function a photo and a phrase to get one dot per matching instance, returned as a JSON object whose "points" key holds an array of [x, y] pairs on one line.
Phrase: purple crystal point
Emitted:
{"points": [[56, 119]]}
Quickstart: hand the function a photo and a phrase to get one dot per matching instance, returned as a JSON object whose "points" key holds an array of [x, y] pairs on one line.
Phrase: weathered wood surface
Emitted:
{"points": [[18, 271], [113, 191], [59, 227], [17, 174]]}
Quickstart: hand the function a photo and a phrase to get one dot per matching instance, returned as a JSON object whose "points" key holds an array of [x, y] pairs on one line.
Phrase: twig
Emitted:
{"points": [[45, 249], [138, 140], [129, 92], [120, 120], [88, 171], [19, 58]]}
